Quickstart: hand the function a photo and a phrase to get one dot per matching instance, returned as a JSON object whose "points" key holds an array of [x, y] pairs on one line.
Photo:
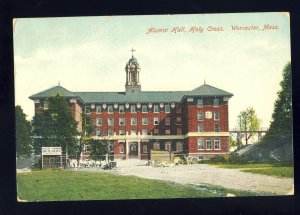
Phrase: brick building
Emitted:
{"points": [[192, 122]]}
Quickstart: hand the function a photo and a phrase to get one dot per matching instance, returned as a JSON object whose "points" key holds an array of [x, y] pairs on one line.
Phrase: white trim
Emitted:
{"points": [[207, 134], [208, 153]]}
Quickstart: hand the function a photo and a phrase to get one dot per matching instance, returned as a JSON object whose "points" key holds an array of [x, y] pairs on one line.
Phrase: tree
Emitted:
{"points": [[55, 126], [85, 134], [99, 148], [23, 134], [248, 121], [282, 117]]}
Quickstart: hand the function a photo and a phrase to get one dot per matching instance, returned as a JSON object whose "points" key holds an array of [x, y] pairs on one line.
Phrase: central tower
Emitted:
{"points": [[132, 69]]}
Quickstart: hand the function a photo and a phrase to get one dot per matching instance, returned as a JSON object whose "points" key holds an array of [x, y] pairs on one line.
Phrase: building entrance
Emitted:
{"points": [[133, 150]]}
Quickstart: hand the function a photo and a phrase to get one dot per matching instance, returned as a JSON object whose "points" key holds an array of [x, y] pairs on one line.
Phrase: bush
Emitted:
{"points": [[228, 158]]}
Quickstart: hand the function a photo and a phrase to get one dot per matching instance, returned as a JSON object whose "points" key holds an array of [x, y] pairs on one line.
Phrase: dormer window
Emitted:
{"points": [[121, 109], [87, 109], [216, 102]]}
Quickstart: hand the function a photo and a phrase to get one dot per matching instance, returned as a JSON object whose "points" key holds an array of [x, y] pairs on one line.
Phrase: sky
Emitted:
{"points": [[90, 54]]}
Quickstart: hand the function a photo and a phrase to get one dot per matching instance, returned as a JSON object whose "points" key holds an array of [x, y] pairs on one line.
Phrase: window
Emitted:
{"points": [[155, 121], [133, 109], [122, 121], [133, 132], [200, 128], [200, 115], [167, 146], [167, 108], [87, 109], [46, 104], [156, 146], [121, 109], [178, 119], [167, 120], [145, 149], [200, 102], [145, 132], [98, 132], [98, 109], [110, 132], [179, 131], [216, 102], [99, 121], [216, 116], [133, 121], [121, 132], [178, 109], [110, 121], [217, 128], [155, 109], [217, 144], [179, 146], [208, 144], [167, 131], [190, 99], [144, 121], [156, 131], [144, 109], [110, 109], [200, 144], [121, 148]]}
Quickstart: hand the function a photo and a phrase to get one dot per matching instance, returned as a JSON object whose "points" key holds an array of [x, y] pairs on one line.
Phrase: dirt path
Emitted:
{"points": [[203, 173]]}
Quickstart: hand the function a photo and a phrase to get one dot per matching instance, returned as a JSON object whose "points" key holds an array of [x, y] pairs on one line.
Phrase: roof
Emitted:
{"points": [[53, 92], [208, 90], [144, 96]]}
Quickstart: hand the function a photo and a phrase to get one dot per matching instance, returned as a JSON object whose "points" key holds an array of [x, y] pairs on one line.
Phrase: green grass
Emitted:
{"points": [[285, 170], [67, 185]]}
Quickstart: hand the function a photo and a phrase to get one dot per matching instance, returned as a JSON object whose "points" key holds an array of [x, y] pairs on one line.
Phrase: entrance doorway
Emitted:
{"points": [[133, 150]]}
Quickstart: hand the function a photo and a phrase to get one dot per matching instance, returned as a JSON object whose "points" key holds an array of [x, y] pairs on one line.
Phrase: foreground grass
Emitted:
{"points": [[67, 185], [285, 170]]}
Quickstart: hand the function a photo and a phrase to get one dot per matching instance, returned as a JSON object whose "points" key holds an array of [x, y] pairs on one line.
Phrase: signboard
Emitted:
{"points": [[51, 150]]}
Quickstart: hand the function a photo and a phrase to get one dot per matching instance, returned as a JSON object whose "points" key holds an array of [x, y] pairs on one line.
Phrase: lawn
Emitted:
{"points": [[285, 170], [56, 185]]}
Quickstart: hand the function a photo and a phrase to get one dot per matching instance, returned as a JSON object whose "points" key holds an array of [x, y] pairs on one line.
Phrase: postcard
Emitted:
{"points": [[153, 106]]}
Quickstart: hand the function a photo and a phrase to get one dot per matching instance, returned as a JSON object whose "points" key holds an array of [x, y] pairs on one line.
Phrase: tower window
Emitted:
{"points": [[121, 109], [167, 108], [200, 102], [167, 121], [133, 109], [110, 121], [99, 121], [217, 116], [200, 115], [122, 121], [144, 121], [98, 109], [144, 109], [133, 121], [200, 128], [155, 109], [155, 121], [216, 102], [110, 109]]}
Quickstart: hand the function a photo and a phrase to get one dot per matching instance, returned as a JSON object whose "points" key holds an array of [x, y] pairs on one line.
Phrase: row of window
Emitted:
{"points": [[156, 146], [133, 121], [209, 144], [133, 109], [216, 128], [200, 115], [110, 132], [200, 102]]}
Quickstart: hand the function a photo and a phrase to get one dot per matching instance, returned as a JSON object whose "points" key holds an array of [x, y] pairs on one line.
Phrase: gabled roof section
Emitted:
{"points": [[208, 90], [53, 92]]}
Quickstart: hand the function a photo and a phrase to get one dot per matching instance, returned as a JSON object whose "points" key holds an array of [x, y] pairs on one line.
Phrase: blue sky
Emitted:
{"points": [[90, 53]]}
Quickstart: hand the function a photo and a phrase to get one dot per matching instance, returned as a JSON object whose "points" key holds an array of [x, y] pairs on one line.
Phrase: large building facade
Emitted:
{"points": [[193, 123]]}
